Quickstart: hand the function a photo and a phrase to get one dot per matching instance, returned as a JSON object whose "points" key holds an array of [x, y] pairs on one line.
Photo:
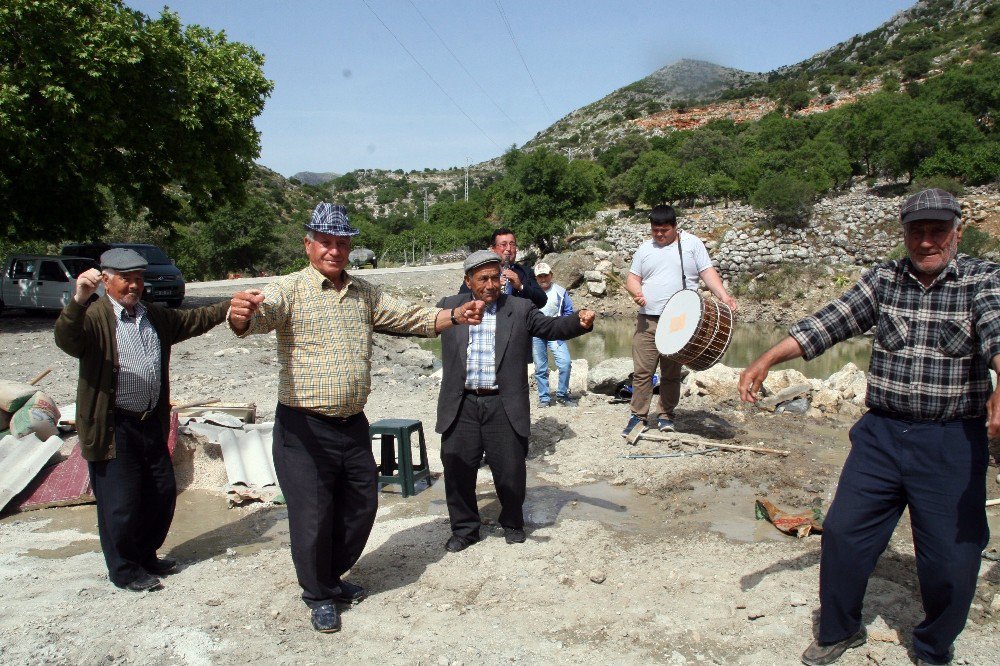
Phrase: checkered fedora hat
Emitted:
{"points": [[932, 204], [331, 219]]}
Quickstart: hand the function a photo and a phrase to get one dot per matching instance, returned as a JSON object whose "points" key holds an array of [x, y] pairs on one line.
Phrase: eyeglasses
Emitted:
{"points": [[505, 245]]}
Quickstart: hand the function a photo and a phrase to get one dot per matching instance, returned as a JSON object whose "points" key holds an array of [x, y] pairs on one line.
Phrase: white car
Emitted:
{"points": [[41, 282]]}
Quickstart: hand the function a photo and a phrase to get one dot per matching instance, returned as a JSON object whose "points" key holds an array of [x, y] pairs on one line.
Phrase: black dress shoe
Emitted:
{"points": [[457, 543], [350, 593], [144, 583], [513, 535], [326, 619], [161, 566], [819, 654]]}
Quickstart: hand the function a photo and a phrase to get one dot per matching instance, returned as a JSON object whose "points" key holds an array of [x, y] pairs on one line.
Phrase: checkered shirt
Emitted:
{"points": [[138, 359], [325, 337], [480, 364], [932, 345]]}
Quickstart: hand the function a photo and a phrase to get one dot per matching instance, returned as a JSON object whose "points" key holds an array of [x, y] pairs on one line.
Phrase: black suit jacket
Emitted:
{"points": [[517, 321], [529, 286]]}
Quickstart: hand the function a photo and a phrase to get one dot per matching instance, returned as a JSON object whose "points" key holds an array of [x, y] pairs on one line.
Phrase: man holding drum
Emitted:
{"points": [[923, 443], [661, 267]]}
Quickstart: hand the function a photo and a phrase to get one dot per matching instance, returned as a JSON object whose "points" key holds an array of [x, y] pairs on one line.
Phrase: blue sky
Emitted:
{"points": [[348, 95]]}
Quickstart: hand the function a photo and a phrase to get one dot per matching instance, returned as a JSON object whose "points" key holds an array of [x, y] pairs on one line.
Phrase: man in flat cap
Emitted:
{"points": [[923, 443], [123, 409], [324, 319], [483, 404], [515, 279]]}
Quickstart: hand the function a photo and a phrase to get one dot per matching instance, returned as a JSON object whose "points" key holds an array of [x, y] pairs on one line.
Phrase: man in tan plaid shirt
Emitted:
{"points": [[324, 320]]}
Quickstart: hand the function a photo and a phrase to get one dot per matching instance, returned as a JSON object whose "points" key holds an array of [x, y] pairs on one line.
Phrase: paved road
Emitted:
{"points": [[239, 283]]}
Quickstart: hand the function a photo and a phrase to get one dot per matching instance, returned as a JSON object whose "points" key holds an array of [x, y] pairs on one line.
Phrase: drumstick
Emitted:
{"points": [[40, 376], [196, 403], [656, 437]]}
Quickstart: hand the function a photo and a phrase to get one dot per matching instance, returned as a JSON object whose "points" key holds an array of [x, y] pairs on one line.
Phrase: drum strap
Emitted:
{"points": [[680, 255]]}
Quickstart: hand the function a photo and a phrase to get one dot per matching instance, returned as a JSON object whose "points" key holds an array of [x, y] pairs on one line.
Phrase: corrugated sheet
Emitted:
{"points": [[20, 461], [246, 451]]}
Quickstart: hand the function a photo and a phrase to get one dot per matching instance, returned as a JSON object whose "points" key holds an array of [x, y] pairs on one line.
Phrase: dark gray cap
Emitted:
{"points": [[932, 204], [122, 259], [480, 258]]}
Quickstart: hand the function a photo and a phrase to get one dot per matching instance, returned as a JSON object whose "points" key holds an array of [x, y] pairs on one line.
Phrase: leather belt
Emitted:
{"points": [[482, 391], [337, 420], [138, 416]]}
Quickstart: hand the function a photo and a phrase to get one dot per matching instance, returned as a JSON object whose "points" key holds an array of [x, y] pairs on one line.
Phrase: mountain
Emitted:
{"points": [[920, 42], [314, 178]]}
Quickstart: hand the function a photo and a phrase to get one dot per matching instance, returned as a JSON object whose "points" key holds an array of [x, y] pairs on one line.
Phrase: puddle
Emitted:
{"points": [[729, 512]]}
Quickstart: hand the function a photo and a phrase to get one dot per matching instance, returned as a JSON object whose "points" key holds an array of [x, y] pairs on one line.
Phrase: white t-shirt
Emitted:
{"points": [[659, 269]]}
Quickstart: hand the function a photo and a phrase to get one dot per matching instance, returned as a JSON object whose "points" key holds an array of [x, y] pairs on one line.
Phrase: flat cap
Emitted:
{"points": [[932, 204], [331, 219], [123, 259], [480, 258]]}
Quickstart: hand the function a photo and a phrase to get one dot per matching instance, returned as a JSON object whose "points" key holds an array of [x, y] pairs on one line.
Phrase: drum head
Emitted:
{"points": [[678, 321]]}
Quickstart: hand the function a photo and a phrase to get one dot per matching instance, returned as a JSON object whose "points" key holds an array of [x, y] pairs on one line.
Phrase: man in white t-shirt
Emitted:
{"points": [[557, 305], [655, 276]]}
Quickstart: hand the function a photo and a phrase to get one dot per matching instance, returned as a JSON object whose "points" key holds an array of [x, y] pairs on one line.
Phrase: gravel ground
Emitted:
{"points": [[627, 560]]}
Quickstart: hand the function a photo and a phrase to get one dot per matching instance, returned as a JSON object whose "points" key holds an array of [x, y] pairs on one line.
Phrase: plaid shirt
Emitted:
{"points": [[932, 345], [480, 364], [325, 337]]}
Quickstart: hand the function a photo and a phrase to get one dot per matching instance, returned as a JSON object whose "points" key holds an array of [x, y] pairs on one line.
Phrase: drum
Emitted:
{"points": [[693, 330]]}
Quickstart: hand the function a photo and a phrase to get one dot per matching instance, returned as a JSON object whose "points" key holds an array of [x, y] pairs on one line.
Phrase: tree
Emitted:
{"points": [[95, 95], [785, 197], [228, 239]]}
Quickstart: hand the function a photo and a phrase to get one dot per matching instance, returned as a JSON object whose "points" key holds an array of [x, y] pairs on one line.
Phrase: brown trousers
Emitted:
{"points": [[645, 358]]}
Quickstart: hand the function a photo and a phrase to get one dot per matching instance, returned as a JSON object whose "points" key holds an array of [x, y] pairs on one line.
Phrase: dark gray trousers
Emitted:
{"points": [[136, 494], [482, 425], [328, 475]]}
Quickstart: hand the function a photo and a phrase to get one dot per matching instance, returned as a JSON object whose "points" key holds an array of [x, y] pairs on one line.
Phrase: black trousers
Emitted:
{"points": [[938, 471], [136, 494], [481, 425], [328, 475]]}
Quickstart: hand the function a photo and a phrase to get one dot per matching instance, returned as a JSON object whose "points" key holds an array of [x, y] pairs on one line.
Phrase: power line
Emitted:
{"points": [[462, 65], [524, 62], [433, 80]]}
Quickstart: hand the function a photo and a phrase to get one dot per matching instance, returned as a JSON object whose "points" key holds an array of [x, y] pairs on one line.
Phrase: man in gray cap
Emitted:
{"points": [[923, 443], [123, 409], [324, 319], [483, 404]]}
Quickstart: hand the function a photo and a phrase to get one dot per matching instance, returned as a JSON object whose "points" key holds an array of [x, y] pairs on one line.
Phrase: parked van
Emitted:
{"points": [[164, 281], [41, 282]]}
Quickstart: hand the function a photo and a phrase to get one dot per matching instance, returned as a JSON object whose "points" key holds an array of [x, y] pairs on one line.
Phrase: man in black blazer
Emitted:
{"points": [[515, 279], [484, 402]]}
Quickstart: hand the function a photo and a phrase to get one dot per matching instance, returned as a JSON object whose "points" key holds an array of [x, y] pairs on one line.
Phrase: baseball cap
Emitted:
{"points": [[542, 268]]}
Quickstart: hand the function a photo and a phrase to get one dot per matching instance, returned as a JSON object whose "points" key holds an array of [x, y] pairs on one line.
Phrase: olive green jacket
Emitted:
{"points": [[87, 332]]}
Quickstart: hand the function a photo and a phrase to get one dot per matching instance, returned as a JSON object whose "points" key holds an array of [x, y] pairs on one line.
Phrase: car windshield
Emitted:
{"points": [[150, 253], [77, 266]]}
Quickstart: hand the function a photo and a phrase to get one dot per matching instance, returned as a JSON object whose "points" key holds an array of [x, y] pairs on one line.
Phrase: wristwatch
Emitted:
{"points": [[454, 320]]}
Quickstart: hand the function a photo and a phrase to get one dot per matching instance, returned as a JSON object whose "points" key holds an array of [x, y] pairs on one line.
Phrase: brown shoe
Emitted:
{"points": [[818, 654]]}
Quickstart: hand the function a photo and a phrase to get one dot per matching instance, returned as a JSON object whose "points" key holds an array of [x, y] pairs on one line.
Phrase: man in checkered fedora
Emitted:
{"points": [[922, 445], [324, 319]]}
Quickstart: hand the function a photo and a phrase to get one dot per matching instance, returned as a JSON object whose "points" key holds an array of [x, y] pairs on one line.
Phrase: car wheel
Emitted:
{"points": [[175, 302]]}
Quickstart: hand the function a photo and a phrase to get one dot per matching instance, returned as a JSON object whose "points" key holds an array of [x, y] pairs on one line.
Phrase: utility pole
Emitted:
{"points": [[466, 178], [425, 205]]}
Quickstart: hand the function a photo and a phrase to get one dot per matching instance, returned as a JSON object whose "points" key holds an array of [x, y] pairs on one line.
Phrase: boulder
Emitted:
{"points": [[597, 288], [770, 403], [607, 375], [779, 380], [416, 357], [568, 267], [827, 400], [851, 382], [718, 382]]}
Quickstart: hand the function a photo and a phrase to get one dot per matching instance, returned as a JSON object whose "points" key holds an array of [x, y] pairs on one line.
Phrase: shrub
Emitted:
{"points": [[785, 197]]}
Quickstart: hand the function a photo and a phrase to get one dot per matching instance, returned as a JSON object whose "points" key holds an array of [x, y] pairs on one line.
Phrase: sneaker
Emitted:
{"points": [[818, 654], [633, 421], [544, 404], [663, 424], [567, 401]]}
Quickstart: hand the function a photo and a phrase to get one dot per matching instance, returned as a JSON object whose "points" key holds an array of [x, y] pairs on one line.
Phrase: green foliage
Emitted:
{"points": [[228, 239], [785, 197], [95, 95], [978, 243]]}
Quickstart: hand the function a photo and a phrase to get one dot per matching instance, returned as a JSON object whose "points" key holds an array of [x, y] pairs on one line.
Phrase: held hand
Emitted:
{"points": [[751, 379], [86, 285], [993, 414], [513, 278], [587, 318], [471, 313], [731, 302], [243, 305]]}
